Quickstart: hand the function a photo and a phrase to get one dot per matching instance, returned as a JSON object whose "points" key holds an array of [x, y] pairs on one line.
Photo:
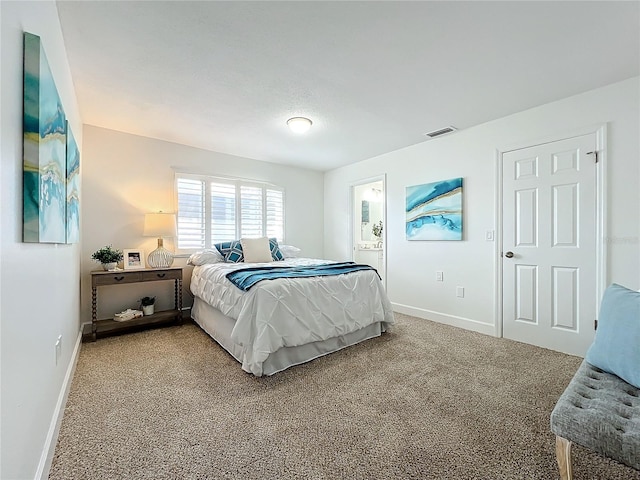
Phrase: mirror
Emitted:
{"points": [[370, 198]]}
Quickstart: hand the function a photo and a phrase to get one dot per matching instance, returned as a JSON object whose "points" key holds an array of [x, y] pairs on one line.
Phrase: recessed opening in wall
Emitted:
{"points": [[368, 224], [369, 203]]}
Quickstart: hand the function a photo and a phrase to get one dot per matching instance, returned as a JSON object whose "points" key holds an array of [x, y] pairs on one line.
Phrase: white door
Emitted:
{"points": [[549, 244]]}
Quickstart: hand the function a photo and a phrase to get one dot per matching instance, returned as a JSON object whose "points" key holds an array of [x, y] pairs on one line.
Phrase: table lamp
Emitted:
{"points": [[160, 225]]}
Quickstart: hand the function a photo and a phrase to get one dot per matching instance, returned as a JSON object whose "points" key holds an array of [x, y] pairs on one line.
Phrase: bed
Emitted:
{"points": [[279, 323]]}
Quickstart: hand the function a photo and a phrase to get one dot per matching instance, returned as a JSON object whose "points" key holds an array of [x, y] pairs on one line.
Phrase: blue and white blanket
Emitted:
{"points": [[246, 278]]}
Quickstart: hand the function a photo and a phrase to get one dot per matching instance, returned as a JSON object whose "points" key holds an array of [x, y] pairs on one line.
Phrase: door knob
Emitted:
{"points": [[509, 254]]}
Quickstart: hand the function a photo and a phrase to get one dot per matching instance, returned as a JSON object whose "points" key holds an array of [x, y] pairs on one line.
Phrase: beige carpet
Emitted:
{"points": [[425, 401]]}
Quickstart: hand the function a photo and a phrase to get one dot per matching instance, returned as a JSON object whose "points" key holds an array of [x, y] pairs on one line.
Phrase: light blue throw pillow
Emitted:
{"points": [[616, 348]]}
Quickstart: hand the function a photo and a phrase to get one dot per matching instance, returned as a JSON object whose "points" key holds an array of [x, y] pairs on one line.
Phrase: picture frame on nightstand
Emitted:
{"points": [[133, 258]]}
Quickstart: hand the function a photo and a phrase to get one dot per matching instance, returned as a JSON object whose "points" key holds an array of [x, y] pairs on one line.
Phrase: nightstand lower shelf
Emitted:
{"points": [[110, 326]]}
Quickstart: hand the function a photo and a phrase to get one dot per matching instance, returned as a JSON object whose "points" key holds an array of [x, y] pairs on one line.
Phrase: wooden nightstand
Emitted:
{"points": [[123, 277]]}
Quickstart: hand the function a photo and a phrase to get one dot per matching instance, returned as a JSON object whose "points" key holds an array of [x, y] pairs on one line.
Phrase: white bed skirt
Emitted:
{"points": [[219, 327]]}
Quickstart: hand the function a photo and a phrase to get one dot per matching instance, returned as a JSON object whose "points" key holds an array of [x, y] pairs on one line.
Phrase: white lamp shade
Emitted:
{"points": [[159, 225]]}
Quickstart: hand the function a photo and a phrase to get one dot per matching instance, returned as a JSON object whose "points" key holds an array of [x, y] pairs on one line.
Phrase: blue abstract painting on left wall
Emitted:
{"points": [[45, 147], [73, 188]]}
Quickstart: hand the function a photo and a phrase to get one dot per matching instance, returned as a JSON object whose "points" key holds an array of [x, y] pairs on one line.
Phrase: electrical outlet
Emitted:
{"points": [[58, 348], [460, 292], [489, 235], [439, 277]]}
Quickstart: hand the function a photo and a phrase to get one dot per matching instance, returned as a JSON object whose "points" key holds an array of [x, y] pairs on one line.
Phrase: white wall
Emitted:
{"points": [[39, 286], [471, 154], [125, 176]]}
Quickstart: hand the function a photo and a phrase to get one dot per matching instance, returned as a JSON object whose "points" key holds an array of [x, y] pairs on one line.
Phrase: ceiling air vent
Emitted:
{"points": [[442, 131]]}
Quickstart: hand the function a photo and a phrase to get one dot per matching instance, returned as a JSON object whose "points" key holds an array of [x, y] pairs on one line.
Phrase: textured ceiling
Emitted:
{"points": [[373, 76]]}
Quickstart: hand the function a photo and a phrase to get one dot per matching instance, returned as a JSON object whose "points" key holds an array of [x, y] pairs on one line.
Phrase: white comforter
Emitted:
{"points": [[289, 312]]}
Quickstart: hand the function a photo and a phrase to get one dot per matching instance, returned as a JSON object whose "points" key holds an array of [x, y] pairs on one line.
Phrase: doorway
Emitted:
{"points": [[550, 248], [368, 224]]}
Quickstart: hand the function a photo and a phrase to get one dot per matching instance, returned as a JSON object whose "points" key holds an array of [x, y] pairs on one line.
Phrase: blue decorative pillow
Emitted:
{"points": [[231, 251], [616, 348], [276, 254]]}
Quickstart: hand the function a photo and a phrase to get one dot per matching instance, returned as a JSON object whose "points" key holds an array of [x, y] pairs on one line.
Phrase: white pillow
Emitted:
{"points": [[256, 250], [289, 251], [205, 256]]}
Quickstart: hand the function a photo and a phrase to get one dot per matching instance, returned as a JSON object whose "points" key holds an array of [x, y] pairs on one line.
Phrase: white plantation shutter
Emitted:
{"points": [[223, 212], [251, 214], [191, 219], [213, 210], [275, 214]]}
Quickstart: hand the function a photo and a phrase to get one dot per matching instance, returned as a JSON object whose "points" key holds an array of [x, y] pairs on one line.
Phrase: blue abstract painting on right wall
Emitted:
{"points": [[434, 211]]}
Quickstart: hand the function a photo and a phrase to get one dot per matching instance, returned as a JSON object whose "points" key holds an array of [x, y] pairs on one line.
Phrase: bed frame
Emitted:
{"points": [[219, 327]]}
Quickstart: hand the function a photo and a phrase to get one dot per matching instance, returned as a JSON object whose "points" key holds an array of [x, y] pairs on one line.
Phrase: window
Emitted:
{"points": [[213, 210]]}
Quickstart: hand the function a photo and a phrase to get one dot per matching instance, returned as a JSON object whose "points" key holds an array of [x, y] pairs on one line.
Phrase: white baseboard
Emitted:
{"points": [[455, 321], [49, 449]]}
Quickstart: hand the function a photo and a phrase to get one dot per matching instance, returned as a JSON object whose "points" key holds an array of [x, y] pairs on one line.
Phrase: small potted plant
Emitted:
{"points": [[148, 305], [108, 257], [377, 231]]}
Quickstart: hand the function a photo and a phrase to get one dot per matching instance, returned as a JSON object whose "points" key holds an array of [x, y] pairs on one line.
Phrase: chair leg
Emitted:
{"points": [[563, 454]]}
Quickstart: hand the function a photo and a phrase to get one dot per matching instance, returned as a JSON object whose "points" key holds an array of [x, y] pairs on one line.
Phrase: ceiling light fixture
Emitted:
{"points": [[299, 124]]}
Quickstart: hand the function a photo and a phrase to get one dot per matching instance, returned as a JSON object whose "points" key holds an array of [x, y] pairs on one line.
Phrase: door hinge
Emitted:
{"points": [[595, 153], [595, 324]]}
